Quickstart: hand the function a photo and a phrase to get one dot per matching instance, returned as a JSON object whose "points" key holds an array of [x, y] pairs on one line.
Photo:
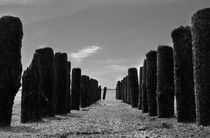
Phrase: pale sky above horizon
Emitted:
{"points": [[102, 37]]}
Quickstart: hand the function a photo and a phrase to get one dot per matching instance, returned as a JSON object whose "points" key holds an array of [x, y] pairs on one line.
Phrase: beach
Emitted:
{"points": [[106, 118]]}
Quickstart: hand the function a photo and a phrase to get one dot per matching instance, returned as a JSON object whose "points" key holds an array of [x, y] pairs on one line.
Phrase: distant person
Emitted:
{"points": [[104, 94]]}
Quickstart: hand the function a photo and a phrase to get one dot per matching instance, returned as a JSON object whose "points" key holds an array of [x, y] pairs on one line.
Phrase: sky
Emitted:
{"points": [[102, 37]]}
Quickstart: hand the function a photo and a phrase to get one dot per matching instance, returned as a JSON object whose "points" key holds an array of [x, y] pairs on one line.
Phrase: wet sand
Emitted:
{"points": [[106, 118]]}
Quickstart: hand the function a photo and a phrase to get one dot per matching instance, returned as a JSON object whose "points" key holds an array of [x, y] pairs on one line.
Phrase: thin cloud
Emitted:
{"points": [[83, 53]]}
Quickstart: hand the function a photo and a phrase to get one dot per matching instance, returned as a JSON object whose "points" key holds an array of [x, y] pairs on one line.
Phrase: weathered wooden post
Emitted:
{"points": [[128, 90], [46, 58], [121, 90], [201, 63], [76, 80], [10, 65], [118, 91], [165, 82], [124, 90], [95, 89], [104, 94], [140, 90], [91, 90], [144, 90], [99, 92], [68, 84], [61, 78], [133, 83], [151, 81], [183, 74], [32, 92], [84, 91], [88, 91]]}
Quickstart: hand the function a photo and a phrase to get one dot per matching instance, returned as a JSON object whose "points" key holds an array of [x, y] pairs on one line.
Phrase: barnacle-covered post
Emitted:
{"points": [[104, 94], [61, 84], [140, 90], [144, 90], [133, 83], [32, 92], [201, 63], [183, 74], [151, 81], [11, 34], [46, 58], [165, 82], [75, 92]]}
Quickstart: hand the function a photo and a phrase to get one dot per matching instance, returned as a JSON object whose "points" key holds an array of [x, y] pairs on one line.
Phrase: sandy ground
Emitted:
{"points": [[109, 118]]}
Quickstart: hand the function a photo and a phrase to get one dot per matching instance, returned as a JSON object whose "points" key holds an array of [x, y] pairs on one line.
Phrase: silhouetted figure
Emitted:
{"points": [[183, 77], [10, 65], [201, 63], [104, 94]]}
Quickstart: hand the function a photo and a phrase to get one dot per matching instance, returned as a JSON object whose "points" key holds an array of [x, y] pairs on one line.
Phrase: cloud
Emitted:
{"points": [[83, 53]]}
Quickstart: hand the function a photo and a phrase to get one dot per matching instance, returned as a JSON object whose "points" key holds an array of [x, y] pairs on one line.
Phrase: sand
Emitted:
{"points": [[106, 118]]}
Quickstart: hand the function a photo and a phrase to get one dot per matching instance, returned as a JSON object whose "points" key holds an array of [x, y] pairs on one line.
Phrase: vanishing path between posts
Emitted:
{"points": [[106, 118], [113, 118], [109, 118]]}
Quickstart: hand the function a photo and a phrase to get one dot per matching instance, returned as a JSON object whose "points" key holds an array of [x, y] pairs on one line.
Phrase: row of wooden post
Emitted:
{"points": [[181, 72], [46, 87], [186, 85], [90, 91], [45, 83]]}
